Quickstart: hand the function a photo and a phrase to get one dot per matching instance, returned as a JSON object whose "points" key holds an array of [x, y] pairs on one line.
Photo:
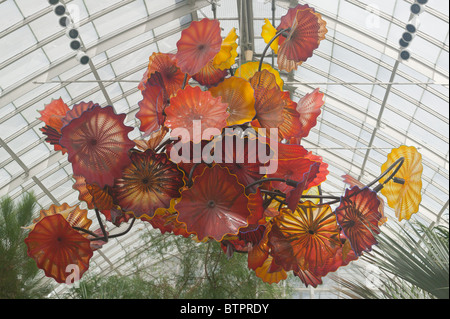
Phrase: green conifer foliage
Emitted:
{"points": [[19, 275]]}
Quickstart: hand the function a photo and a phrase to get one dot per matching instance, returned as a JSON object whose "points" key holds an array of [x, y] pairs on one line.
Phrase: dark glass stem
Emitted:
{"points": [[105, 238], [335, 199], [102, 227]]}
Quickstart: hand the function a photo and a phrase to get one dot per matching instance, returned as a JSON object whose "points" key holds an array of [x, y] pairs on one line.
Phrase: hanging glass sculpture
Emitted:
{"points": [[220, 159]]}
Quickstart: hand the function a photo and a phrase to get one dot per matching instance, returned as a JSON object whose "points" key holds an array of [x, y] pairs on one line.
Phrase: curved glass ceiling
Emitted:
{"points": [[373, 100]]}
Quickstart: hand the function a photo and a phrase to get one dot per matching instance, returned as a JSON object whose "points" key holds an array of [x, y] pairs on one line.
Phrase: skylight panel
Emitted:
{"points": [[45, 26], [156, 5], [95, 95], [6, 110], [22, 68], [334, 131], [443, 59], [121, 106], [330, 6], [427, 138], [37, 153], [76, 88], [261, 9], [168, 26], [94, 6], [134, 59], [57, 49], [396, 120], [436, 103], [13, 169], [341, 122], [308, 74], [11, 47], [355, 60], [168, 44], [226, 9], [109, 23], [114, 90], [318, 62], [24, 140], [433, 26], [349, 94], [402, 104], [124, 46], [54, 178], [367, 18], [15, 123], [422, 49], [88, 34], [28, 7], [4, 177], [432, 121], [77, 11]]}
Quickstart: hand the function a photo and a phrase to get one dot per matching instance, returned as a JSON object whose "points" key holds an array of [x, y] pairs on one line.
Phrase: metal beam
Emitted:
{"points": [[245, 18], [401, 24], [14, 156], [380, 115], [25, 21], [35, 170], [45, 190]]}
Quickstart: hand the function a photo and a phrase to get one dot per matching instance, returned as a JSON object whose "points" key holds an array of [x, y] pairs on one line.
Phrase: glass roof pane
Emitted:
{"points": [[94, 6], [29, 7], [117, 19], [77, 11], [156, 5], [37, 153], [11, 48], [433, 26], [12, 125], [88, 34], [41, 26], [12, 12], [57, 49], [23, 68]]}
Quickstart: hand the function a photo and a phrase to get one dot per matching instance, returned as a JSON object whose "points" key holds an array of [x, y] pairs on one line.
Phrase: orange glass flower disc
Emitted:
{"points": [[199, 44], [53, 112], [307, 29], [97, 143], [270, 101], [310, 234], [238, 94], [249, 69], [228, 52], [52, 116], [165, 64], [214, 209], [74, 215], [151, 107], [192, 104], [358, 215], [148, 183]]}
